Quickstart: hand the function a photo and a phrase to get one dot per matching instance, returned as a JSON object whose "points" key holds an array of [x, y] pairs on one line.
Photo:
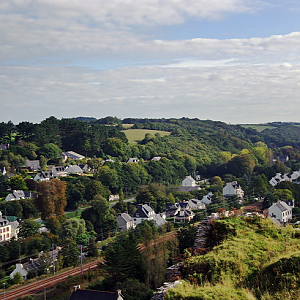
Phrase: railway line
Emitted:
{"points": [[47, 282]]}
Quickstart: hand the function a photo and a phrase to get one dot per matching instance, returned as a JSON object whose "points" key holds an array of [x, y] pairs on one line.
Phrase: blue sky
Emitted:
{"points": [[236, 61]]}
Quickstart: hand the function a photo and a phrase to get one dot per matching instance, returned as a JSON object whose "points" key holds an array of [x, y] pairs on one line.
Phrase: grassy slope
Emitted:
{"points": [[135, 135], [255, 257], [258, 127]]}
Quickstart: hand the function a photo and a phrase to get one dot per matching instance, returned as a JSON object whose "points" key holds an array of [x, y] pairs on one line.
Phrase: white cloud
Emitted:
{"points": [[243, 94]]}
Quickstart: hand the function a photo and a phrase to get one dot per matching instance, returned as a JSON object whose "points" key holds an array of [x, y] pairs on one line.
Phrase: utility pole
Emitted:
{"points": [[53, 261], [20, 252], [4, 296], [81, 267]]}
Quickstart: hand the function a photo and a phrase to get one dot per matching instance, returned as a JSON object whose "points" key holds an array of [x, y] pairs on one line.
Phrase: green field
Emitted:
{"points": [[136, 135], [258, 127], [126, 126]]}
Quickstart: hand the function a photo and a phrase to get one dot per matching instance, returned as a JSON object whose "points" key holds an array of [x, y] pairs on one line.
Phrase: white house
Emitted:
{"points": [[19, 269], [196, 204], [233, 188], [72, 155], [133, 160], [189, 181], [188, 184], [125, 222], [34, 165], [5, 229], [280, 211], [145, 213]]}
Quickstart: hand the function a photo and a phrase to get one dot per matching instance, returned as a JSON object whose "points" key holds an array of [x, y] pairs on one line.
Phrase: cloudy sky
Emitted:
{"points": [[236, 61]]}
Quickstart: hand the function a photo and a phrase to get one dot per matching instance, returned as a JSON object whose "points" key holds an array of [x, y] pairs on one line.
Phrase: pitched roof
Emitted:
{"points": [[126, 217], [94, 295], [143, 211], [282, 206]]}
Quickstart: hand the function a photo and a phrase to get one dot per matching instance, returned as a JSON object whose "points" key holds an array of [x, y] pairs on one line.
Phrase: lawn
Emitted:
{"points": [[136, 135], [258, 127], [75, 213]]}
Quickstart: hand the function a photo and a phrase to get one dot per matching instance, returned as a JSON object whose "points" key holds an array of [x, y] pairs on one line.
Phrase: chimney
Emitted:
{"points": [[76, 287]]}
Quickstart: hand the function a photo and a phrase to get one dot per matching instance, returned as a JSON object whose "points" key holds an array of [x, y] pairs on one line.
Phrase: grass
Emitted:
{"points": [[127, 126], [254, 256], [258, 127], [136, 135], [75, 213]]}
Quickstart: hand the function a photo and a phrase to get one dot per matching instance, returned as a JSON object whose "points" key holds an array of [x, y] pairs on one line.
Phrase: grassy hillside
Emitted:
{"points": [[256, 260], [258, 127], [136, 135]]}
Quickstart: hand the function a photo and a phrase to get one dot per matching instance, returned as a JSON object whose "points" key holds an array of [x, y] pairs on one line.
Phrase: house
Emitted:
{"points": [[79, 294], [145, 213], [281, 211], [281, 158], [189, 181], [72, 155], [43, 176], [58, 171], [3, 171], [33, 264], [19, 195], [125, 222], [232, 189], [188, 184], [196, 204], [206, 199], [74, 169], [4, 146], [85, 168], [171, 209], [284, 177], [132, 160], [184, 215], [19, 269], [115, 197], [156, 158], [15, 195], [5, 229], [34, 165]]}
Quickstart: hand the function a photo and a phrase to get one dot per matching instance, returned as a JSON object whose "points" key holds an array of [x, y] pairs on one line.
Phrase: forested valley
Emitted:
{"points": [[76, 212]]}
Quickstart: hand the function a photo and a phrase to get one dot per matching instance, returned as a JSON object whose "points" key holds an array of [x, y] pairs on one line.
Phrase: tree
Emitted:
{"points": [[99, 214], [17, 279], [51, 198], [45, 262], [108, 177], [50, 151], [71, 228], [260, 186], [92, 250], [69, 253], [28, 228], [283, 194], [123, 259], [241, 164], [17, 183]]}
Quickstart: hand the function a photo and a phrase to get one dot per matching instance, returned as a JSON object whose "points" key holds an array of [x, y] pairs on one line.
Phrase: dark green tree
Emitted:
{"points": [[100, 215]]}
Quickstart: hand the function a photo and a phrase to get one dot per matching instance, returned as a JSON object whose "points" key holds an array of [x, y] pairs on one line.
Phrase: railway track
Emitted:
{"points": [[47, 282]]}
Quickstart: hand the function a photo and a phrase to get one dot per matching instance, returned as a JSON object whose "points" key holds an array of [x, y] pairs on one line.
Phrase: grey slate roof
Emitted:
{"points": [[283, 206], [143, 211]]}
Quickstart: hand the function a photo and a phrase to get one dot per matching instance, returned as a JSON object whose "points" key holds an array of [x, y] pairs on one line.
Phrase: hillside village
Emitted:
{"points": [[62, 208]]}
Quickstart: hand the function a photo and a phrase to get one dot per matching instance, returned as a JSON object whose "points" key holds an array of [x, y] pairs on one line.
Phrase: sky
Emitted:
{"points": [[236, 61]]}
